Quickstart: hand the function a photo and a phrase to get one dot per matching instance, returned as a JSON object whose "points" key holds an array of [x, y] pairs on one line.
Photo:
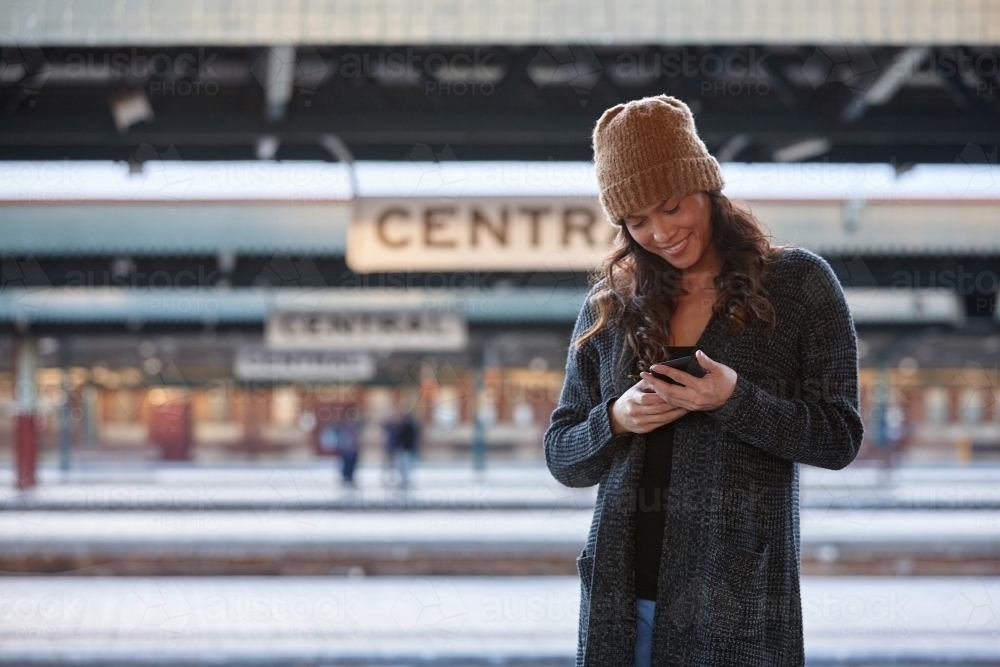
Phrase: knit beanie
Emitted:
{"points": [[648, 150]]}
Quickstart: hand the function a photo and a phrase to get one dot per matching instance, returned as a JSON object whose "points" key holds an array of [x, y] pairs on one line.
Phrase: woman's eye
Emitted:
{"points": [[673, 210]]}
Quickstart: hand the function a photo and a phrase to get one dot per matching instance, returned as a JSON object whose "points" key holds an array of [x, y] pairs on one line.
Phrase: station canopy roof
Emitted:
{"points": [[607, 22], [913, 81]]}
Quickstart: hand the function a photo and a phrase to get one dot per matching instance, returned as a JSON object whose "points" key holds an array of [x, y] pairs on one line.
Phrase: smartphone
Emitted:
{"points": [[688, 364]]}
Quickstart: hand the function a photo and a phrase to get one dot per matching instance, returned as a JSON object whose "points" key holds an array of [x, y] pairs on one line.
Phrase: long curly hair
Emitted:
{"points": [[641, 289]]}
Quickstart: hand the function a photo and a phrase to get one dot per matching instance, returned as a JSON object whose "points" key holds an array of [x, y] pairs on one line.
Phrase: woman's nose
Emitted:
{"points": [[660, 233]]}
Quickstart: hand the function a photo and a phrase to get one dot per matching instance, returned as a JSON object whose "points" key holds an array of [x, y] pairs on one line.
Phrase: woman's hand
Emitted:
{"points": [[640, 410], [707, 393]]}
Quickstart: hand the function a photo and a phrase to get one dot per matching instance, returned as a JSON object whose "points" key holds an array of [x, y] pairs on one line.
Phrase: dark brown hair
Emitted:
{"points": [[642, 287]]}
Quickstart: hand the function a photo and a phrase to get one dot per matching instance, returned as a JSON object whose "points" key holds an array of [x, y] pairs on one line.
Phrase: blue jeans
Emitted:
{"points": [[644, 631]]}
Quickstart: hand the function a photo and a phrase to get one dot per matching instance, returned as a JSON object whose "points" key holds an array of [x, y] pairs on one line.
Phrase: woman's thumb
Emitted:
{"points": [[706, 363]]}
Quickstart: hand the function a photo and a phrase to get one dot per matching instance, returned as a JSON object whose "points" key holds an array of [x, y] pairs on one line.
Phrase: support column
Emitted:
{"points": [[65, 411], [26, 395], [487, 388]]}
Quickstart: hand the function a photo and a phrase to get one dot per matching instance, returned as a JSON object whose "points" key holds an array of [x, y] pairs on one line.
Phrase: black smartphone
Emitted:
{"points": [[688, 364]]}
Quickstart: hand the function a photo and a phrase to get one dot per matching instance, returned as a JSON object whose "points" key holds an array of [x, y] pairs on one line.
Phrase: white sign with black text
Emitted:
{"points": [[367, 330], [449, 234], [262, 363]]}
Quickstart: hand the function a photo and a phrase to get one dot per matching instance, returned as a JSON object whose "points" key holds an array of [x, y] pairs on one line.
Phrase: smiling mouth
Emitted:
{"points": [[677, 247]]}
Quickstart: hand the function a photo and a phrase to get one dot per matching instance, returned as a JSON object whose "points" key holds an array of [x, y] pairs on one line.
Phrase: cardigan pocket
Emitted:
{"points": [[585, 566], [736, 594]]}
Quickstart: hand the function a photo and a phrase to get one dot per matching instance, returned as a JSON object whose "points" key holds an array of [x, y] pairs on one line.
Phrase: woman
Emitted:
{"points": [[693, 553]]}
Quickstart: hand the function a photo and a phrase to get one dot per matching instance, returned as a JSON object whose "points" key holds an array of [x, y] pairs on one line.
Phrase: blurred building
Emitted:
{"points": [[238, 317], [182, 260]]}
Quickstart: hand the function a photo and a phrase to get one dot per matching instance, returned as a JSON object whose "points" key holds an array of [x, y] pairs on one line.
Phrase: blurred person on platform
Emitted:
{"points": [[407, 442], [342, 438], [693, 554], [349, 443], [401, 439]]}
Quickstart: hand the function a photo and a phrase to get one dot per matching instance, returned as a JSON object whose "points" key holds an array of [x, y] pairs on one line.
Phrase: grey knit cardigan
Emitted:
{"points": [[728, 590]]}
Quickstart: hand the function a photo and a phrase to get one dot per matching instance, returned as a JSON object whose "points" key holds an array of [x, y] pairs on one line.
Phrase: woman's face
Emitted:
{"points": [[678, 229]]}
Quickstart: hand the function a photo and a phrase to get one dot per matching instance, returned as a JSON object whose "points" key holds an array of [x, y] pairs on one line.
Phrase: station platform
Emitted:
{"points": [[439, 486], [477, 621], [290, 540]]}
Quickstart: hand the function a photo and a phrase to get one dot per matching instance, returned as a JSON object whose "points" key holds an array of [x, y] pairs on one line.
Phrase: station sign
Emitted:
{"points": [[470, 233], [382, 330], [262, 363]]}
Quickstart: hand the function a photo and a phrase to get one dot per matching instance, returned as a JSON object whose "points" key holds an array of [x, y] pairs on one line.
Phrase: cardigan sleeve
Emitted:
{"points": [[821, 425], [579, 445]]}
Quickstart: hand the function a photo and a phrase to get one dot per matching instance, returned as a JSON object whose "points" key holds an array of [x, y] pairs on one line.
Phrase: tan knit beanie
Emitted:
{"points": [[648, 150]]}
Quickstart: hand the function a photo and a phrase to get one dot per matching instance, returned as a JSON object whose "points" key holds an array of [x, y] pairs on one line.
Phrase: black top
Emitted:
{"points": [[651, 500]]}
